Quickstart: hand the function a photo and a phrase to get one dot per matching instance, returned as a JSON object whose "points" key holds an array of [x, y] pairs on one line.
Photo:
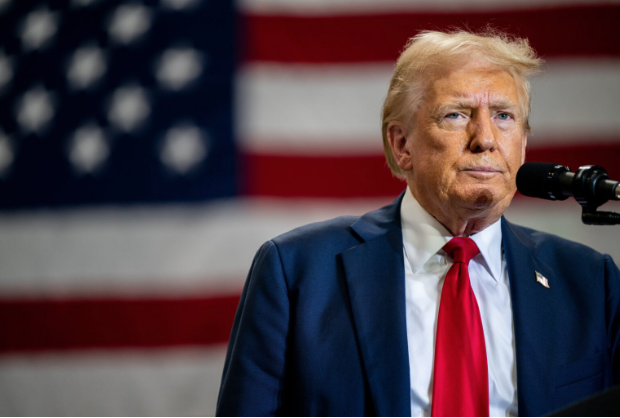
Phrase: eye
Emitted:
{"points": [[453, 115], [504, 116]]}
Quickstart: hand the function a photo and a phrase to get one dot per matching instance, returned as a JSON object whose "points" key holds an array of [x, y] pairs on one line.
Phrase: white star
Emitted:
{"points": [[87, 65], [38, 28], [35, 110], [6, 154], [82, 3], [89, 149], [4, 4], [177, 67], [179, 4], [6, 70], [184, 148], [129, 107], [129, 22]]}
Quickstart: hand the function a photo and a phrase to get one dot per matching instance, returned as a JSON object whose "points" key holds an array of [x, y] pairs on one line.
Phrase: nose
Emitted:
{"points": [[482, 135]]}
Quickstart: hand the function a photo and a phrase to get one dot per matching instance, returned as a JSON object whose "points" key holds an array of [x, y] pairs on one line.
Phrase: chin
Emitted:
{"points": [[482, 198]]}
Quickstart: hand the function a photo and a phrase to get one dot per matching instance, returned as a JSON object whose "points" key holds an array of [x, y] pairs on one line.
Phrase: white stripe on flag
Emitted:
{"points": [[302, 108], [187, 251], [108, 383], [562, 94], [182, 250], [564, 219], [335, 110]]}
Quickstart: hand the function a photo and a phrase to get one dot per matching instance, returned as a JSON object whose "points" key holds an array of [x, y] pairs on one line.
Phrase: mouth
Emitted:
{"points": [[482, 171]]}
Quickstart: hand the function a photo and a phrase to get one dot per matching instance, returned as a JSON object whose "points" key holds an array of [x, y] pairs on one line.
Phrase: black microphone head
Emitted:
{"points": [[541, 180]]}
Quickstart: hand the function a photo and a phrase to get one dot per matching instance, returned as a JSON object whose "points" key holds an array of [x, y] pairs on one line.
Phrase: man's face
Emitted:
{"points": [[467, 142]]}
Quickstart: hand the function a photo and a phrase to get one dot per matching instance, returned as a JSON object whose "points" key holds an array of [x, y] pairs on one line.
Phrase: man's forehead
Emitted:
{"points": [[492, 99], [474, 86]]}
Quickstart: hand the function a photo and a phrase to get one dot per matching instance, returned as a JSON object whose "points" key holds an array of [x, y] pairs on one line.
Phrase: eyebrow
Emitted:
{"points": [[496, 103], [458, 104]]}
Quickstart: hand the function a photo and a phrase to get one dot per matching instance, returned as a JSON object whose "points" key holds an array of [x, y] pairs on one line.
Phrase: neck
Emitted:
{"points": [[466, 227], [463, 219]]}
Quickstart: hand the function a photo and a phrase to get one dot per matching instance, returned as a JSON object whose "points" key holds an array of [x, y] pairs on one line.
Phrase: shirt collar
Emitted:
{"points": [[424, 236]]}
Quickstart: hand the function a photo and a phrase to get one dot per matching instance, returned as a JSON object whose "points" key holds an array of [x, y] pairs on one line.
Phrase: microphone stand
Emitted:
{"points": [[584, 192]]}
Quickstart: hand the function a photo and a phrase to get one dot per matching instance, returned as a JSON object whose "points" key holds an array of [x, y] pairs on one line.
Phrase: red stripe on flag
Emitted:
{"points": [[556, 31], [38, 325], [319, 176], [368, 176], [585, 153]]}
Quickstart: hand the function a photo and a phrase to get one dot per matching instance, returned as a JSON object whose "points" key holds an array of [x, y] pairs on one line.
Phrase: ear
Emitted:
{"points": [[523, 148], [401, 148]]}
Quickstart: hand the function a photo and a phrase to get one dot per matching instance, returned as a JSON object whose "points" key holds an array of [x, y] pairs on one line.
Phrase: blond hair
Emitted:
{"points": [[431, 50]]}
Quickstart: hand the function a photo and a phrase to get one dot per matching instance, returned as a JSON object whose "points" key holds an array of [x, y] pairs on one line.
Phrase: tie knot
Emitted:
{"points": [[461, 249]]}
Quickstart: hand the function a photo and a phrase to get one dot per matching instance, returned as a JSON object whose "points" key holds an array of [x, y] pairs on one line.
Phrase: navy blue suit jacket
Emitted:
{"points": [[320, 328]]}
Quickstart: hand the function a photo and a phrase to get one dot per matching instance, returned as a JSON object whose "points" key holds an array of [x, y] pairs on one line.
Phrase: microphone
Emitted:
{"points": [[590, 185]]}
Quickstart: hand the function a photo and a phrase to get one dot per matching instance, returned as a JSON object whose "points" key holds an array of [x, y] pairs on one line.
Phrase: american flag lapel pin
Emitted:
{"points": [[542, 279]]}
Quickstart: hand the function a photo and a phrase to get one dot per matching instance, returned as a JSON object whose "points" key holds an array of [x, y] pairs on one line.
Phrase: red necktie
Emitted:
{"points": [[460, 380]]}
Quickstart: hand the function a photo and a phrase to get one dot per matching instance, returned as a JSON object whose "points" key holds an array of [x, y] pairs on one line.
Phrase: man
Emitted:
{"points": [[434, 304]]}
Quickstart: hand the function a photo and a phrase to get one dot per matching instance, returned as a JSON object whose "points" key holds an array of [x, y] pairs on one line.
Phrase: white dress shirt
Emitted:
{"points": [[426, 265]]}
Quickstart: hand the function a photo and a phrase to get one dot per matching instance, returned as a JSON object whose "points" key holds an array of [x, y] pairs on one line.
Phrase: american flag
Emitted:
{"points": [[148, 148]]}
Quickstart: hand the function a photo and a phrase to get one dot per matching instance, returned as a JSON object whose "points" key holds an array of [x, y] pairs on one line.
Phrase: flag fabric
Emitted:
{"points": [[148, 148]]}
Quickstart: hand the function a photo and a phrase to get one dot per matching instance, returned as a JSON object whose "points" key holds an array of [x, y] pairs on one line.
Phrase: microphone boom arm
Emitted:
{"points": [[587, 180]]}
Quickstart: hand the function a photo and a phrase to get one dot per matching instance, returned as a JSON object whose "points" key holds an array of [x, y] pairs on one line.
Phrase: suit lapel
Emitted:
{"points": [[534, 322], [376, 284], [375, 278]]}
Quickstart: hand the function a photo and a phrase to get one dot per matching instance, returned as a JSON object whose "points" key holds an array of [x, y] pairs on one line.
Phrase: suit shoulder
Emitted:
{"points": [[309, 254], [551, 244], [330, 236], [325, 233]]}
